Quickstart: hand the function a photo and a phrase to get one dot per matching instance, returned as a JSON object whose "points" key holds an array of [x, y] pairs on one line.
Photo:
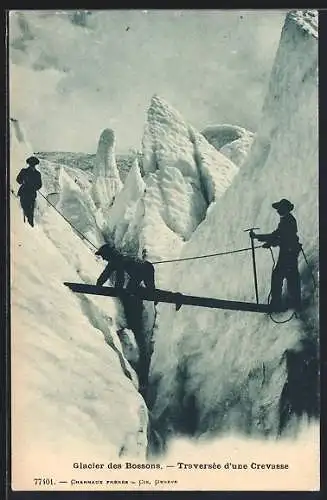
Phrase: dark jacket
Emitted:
{"points": [[285, 236], [132, 265], [30, 181]]}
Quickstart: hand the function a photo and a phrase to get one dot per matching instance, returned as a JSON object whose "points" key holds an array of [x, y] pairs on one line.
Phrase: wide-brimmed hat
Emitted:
{"points": [[283, 203], [32, 160], [105, 251]]}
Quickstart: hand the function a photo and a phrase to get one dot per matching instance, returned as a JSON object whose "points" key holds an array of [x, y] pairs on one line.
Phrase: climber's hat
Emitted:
{"points": [[32, 160], [105, 251], [283, 203]]}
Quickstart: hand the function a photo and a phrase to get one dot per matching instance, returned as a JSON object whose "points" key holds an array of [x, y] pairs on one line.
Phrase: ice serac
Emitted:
{"points": [[216, 172], [232, 141], [106, 181], [183, 174], [173, 177], [218, 371], [120, 227]]}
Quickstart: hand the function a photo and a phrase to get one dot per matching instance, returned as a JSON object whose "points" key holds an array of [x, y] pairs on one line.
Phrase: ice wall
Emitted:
{"points": [[78, 207], [183, 165], [106, 180], [215, 370], [74, 388]]}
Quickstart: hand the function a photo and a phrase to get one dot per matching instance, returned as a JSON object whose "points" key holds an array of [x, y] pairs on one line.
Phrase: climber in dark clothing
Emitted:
{"points": [[31, 182], [285, 236], [138, 270]]}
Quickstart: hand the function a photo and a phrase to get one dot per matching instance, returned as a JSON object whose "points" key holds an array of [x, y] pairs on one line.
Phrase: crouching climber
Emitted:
{"points": [[138, 270]]}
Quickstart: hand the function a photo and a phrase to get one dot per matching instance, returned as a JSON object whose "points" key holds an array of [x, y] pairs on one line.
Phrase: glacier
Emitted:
{"points": [[106, 182]]}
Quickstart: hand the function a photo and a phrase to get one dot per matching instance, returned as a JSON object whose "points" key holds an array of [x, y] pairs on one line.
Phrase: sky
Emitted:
{"points": [[72, 74]]}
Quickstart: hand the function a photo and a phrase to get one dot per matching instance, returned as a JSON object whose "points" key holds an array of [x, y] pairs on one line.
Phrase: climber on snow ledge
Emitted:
{"points": [[285, 236], [31, 182]]}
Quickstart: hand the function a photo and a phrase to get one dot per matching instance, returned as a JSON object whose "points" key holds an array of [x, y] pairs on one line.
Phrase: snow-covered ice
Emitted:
{"points": [[74, 357], [78, 207]]}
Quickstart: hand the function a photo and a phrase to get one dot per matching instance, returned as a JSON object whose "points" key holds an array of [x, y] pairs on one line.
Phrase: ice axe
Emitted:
{"points": [[250, 230]]}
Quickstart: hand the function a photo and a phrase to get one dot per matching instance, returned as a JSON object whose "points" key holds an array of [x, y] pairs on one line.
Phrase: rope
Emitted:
{"points": [[79, 232], [197, 257], [206, 256]]}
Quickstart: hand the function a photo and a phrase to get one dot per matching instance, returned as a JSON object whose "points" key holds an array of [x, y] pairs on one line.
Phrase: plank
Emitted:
{"points": [[168, 297]]}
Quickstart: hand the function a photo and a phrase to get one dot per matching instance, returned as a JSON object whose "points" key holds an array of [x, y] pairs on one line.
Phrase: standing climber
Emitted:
{"points": [[285, 236], [31, 182]]}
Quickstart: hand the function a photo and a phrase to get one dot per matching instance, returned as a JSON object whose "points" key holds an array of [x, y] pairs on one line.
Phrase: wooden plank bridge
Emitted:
{"points": [[176, 298]]}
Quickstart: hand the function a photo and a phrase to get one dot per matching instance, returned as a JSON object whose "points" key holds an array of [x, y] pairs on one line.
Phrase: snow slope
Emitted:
{"points": [[215, 370], [78, 207], [73, 387], [180, 159]]}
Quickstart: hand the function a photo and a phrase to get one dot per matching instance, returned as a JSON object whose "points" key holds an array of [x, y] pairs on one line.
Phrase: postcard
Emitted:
{"points": [[164, 250]]}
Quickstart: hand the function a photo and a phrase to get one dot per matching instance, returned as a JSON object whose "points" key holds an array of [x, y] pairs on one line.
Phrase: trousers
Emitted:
{"points": [[27, 202], [286, 268]]}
